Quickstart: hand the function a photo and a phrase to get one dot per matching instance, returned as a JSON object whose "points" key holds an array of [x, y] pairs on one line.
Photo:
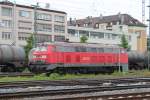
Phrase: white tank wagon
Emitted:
{"points": [[12, 58]]}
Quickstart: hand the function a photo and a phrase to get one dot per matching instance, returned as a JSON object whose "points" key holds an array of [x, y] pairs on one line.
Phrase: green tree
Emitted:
{"points": [[83, 39], [124, 43], [29, 46]]}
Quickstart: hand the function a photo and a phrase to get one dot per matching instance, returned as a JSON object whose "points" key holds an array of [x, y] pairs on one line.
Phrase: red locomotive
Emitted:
{"points": [[77, 57]]}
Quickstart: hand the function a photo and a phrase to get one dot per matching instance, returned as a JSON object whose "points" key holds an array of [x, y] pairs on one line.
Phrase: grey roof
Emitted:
{"points": [[123, 19], [81, 44], [30, 7]]}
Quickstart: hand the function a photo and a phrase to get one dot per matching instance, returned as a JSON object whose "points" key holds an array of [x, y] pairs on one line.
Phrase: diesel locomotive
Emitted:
{"points": [[77, 58]]}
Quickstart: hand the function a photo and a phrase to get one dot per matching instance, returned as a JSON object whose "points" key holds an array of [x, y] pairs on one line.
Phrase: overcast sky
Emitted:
{"points": [[84, 8]]}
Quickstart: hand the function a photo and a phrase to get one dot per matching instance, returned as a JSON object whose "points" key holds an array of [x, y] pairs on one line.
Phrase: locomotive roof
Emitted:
{"points": [[80, 44]]}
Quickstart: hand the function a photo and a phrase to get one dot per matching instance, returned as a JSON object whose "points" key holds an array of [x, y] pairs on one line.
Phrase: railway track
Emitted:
{"points": [[130, 96], [92, 86], [81, 82], [16, 74], [61, 92]]}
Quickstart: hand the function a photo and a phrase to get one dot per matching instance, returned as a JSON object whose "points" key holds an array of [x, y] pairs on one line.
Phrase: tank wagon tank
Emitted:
{"points": [[11, 58], [137, 60]]}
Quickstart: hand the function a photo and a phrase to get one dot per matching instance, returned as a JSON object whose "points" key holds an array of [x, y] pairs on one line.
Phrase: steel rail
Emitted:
{"points": [[16, 74], [67, 91], [88, 82], [129, 96]]}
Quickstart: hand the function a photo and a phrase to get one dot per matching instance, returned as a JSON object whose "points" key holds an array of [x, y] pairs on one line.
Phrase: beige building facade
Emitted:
{"points": [[111, 28], [18, 22], [101, 36]]}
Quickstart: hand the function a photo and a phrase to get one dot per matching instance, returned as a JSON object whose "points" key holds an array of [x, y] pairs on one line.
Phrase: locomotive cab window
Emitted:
{"points": [[108, 49], [100, 49], [94, 49], [80, 49], [60, 48], [69, 49], [116, 50], [122, 50], [41, 48], [91, 49], [65, 48]]}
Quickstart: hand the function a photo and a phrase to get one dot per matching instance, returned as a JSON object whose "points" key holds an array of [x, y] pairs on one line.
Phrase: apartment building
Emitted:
{"points": [[18, 22], [109, 29], [100, 36]]}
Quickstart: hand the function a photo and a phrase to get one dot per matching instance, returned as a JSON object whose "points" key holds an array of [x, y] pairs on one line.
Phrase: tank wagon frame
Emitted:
{"points": [[77, 57]]}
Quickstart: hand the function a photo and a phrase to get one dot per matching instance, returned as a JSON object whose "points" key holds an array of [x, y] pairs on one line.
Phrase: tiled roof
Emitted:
{"points": [[30, 7], [123, 19]]}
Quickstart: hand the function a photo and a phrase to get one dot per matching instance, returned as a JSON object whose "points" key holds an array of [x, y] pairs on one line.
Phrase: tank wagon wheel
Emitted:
{"points": [[20, 69], [29, 69]]}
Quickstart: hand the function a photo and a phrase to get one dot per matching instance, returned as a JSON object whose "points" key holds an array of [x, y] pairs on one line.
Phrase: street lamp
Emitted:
{"points": [[35, 23], [148, 52], [119, 60], [148, 36]]}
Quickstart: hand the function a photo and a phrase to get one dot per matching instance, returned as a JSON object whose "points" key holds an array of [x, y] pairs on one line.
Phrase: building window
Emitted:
{"points": [[83, 33], [59, 19], [101, 35], [43, 38], [6, 35], [94, 35], [44, 27], [120, 28], [59, 29], [6, 11], [59, 38], [108, 36], [73, 32], [97, 25], [129, 38], [23, 36], [23, 13], [42, 16], [102, 26], [97, 35], [25, 28], [114, 36], [25, 25], [86, 25], [119, 36], [7, 23]]}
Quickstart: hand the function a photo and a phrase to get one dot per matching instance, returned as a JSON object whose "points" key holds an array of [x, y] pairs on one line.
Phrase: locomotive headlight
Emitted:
{"points": [[34, 56]]}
